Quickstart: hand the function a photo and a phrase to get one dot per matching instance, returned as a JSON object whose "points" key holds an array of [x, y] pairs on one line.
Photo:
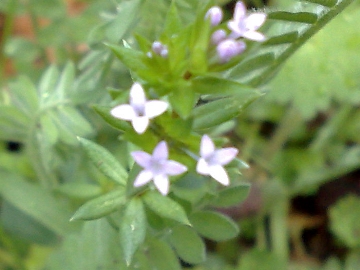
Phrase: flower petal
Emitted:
{"points": [[161, 151], [161, 182], [254, 21], [202, 167], [137, 95], [142, 158], [239, 11], [140, 124], [255, 36], [143, 178], [124, 112], [155, 107], [207, 146], [223, 156], [174, 168], [219, 174]]}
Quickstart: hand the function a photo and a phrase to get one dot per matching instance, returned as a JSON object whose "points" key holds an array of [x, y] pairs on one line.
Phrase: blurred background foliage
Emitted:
{"points": [[301, 140]]}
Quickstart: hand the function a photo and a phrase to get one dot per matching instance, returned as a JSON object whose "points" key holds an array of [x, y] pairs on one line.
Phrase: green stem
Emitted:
{"points": [[278, 227]]}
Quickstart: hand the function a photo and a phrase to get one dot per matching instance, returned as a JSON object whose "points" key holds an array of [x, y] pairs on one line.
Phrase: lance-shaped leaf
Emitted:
{"points": [[232, 196], [101, 206], [161, 256], [165, 207], [104, 161], [132, 228]]}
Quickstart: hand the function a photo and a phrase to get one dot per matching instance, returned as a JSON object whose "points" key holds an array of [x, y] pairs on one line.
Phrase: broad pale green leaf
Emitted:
{"points": [[104, 161], [219, 111], [48, 83], [49, 128], [14, 123], [79, 190], [188, 244], [213, 225], [24, 96], [161, 256], [127, 12], [36, 202], [165, 207], [66, 81], [183, 99], [132, 230], [74, 121], [101, 206], [232, 196]]}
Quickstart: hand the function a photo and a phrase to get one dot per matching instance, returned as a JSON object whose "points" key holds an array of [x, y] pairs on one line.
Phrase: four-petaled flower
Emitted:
{"points": [[139, 111], [157, 167], [212, 160], [244, 25]]}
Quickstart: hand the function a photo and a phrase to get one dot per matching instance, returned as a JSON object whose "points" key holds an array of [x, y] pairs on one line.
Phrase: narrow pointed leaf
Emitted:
{"points": [[232, 196], [161, 256], [104, 161], [101, 206]]}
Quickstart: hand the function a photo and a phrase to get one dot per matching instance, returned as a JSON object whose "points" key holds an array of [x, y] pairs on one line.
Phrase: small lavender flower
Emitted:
{"points": [[157, 167], [139, 111], [160, 49], [215, 14], [244, 25], [218, 36], [229, 48], [212, 160]]}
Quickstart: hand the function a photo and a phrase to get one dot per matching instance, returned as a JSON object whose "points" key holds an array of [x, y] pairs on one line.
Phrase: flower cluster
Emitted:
{"points": [[241, 26], [157, 167]]}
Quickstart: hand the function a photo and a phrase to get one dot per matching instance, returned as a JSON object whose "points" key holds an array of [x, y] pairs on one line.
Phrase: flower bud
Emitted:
{"points": [[218, 36], [215, 14], [160, 49], [229, 48]]}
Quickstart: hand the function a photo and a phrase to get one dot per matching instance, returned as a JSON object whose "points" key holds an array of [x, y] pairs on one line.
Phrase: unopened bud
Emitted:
{"points": [[229, 48], [215, 14]]}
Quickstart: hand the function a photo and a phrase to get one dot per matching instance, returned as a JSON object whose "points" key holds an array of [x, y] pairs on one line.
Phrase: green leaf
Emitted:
{"points": [[127, 12], [24, 95], [213, 85], [303, 17], [219, 111], [104, 161], [14, 123], [345, 220], [74, 121], [188, 244], [161, 256], [165, 207], [232, 196], [261, 260], [66, 80], [183, 99], [132, 59], [79, 190], [101, 206], [36, 202], [214, 226], [132, 228], [47, 84], [104, 112], [173, 22]]}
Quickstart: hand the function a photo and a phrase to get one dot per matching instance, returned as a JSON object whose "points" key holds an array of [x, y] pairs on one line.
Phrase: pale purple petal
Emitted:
{"points": [[124, 112], [143, 178], [219, 174], [137, 95], [229, 48], [223, 156], [254, 21], [202, 167], [218, 36], [240, 11], [161, 151], [142, 158], [207, 146], [174, 168], [154, 108], [215, 14], [162, 183], [252, 35], [140, 124]]}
